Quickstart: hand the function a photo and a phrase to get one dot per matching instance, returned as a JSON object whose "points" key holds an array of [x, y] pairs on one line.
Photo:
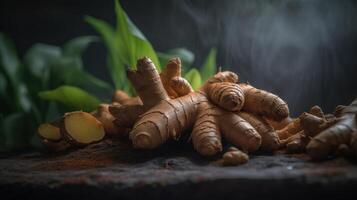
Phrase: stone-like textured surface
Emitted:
{"points": [[115, 171]]}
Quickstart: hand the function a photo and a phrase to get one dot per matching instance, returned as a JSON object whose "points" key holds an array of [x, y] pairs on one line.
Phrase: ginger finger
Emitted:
{"points": [[239, 132], [206, 136], [270, 139], [171, 71], [147, 83], [225, 76], [123, 98], [317, 111], [226, 95], [264, 103], [181, 86]]}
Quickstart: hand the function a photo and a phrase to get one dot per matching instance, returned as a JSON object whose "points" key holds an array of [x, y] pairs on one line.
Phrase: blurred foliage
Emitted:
{"points": [[51, 80], [126, 44], [72, 97], [43, 68]]}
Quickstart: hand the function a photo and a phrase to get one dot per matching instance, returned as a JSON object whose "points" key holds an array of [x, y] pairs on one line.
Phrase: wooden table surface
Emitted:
{"points": [[112, 170]]}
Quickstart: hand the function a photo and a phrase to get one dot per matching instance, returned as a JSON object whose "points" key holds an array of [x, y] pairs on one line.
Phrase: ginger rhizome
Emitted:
{"points": [[166, 108], [322, 135], [340, 138], [221, 111], [210, 114]]}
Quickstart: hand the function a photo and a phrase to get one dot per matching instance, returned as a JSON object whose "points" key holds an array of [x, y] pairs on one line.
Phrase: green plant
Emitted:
{"points": [[126, 44], [51, 73], [43, 68]]}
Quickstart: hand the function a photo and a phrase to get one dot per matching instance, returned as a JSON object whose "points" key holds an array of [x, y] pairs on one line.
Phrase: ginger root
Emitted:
{"points": [[322, 134], [212, 113], [167, 107], [341, 137]]}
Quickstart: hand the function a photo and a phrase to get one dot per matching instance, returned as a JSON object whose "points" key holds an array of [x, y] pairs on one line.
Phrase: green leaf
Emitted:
{"points": [[116, 64], [11, 66], [76, 46], [13, 131], [186, 56], [66, 72], [72, 97], [3, 86], [209, 67], [194, 78], [131, 41], [40, 57], [23, 98], [126, 43], [9, 61]]}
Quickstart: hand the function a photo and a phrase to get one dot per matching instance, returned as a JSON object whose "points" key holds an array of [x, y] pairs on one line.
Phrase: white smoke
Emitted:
{"points": [[288, 47]]}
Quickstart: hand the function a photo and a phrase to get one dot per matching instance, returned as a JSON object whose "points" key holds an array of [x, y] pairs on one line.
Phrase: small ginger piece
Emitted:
{"points": [[49, 131], [234, 157], [81, 128]]}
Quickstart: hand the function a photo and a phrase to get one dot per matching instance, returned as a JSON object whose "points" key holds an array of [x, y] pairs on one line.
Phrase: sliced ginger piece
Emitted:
{"points": [[49, 132], [82, 128]]}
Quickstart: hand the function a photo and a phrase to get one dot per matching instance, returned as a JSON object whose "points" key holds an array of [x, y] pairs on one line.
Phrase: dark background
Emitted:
{"points": [[303, 50]]}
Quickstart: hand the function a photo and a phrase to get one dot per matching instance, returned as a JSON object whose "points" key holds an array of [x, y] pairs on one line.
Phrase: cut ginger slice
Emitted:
{"points": [[49, 131], [82, 128]]}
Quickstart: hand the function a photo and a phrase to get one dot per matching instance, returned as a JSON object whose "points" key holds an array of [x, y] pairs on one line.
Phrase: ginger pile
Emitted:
{"points": [[223, 111], [322, 135]]}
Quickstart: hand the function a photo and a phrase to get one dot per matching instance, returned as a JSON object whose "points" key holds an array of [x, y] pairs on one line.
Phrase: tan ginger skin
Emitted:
{"points": [[323, 135], [264, 103], [163, 112], [207, 112], [246, 117], [342, 135]]}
